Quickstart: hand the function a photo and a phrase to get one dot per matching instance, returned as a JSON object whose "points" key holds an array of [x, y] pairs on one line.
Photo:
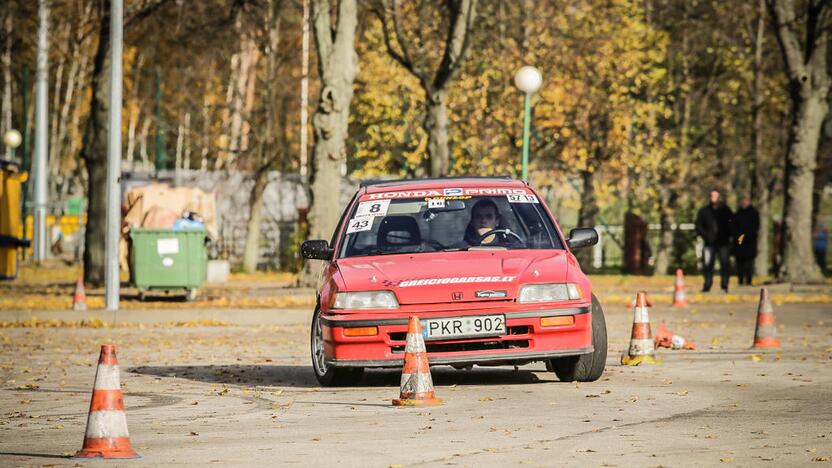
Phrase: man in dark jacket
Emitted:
{"points": [[713, 224], [746, 223]]}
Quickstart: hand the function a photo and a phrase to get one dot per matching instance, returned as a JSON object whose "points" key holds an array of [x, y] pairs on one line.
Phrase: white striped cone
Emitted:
{"points": [[106, 434], [641, 339], [680, 298], [416, 383]]}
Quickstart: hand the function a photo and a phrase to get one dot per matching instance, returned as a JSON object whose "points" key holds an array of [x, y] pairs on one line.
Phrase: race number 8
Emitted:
{"points": [[372, 208]]}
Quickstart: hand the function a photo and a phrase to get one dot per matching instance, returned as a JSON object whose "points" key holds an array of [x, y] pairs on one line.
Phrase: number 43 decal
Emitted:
{"points": [[358, 224]]}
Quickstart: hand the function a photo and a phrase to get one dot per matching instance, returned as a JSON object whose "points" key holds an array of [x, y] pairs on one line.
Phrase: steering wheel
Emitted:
{"points": [[504, 231]]}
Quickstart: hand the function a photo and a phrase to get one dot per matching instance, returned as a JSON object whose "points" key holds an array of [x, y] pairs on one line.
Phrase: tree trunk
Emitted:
{"points": [[252, 249], [436, 126], [6, 118], [587, 215], [668, 207], [95, 156], [338, 65], [143, 135], [759, 182], [206, 133], [798, 258], [187, 162], [762, 196]]}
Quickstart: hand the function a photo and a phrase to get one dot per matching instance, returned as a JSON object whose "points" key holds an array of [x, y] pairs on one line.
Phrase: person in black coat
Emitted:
{"points": [[713, 224], [745, 226]]}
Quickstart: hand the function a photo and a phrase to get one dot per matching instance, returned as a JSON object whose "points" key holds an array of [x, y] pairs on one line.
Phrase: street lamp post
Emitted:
{"points": [[528, 80], [12, 139]]}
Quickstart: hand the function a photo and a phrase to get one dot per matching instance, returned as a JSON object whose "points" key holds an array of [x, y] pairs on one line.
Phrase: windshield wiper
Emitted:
{"points": [[391, 252]]}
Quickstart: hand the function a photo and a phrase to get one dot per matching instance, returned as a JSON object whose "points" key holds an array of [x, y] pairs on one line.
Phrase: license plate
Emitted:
{"points": [[464, 327]]}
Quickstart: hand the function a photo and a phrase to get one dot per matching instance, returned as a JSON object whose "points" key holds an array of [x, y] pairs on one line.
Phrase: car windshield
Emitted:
{"points": [[440, 220]]}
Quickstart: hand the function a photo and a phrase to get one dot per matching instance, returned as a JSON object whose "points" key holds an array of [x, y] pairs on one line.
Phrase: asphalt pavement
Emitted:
{"points": [[241, 392]]}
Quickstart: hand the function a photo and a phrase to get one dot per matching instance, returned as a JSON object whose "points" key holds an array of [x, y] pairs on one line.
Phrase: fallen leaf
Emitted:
{"points": [[820, 459], [756, 357], [486, 398], [727, 459], [584, 450], [194, 433], [681, 392]]}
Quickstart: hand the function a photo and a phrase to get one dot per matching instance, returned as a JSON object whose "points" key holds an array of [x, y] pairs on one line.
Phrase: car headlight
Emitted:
{"points": [[549, 292], [366, 300]]}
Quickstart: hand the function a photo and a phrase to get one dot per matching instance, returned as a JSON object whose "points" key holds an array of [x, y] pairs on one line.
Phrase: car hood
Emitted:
{"points": [[487, 275]]}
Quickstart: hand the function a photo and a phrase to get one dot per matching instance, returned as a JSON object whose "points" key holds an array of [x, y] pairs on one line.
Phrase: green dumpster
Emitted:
{"points": [[162, 259]]}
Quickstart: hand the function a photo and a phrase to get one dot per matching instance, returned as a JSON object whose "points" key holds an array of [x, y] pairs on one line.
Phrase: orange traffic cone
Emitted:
{"points": [[106, 435], [79, 300], [680, 299], [632, 302], [417, 385], [765, 336], [641, 341]]}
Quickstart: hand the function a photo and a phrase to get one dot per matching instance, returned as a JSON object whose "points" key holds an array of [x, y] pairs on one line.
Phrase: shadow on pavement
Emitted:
{"points": [[302, 376], [38, 455]]}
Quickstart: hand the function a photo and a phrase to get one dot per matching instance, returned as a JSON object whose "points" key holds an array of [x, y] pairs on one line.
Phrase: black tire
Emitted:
{"points": [[329, 376], [586, 367]]}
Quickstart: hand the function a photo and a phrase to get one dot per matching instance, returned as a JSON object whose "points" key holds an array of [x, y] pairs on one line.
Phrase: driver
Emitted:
{"points": [[485, 217]]}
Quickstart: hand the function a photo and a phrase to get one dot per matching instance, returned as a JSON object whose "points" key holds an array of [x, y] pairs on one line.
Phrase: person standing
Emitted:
{"points": [[713, 225], [745, 225]]}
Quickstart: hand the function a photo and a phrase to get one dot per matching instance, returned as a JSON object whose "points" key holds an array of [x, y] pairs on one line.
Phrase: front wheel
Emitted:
{"points": [[586, 367], [327, 375]]}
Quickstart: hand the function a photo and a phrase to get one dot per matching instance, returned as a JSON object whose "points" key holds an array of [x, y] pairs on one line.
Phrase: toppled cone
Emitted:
{"points": [[765, 336], [642, 349], [664, 338], [417, 384], [106, 435], [680, 299], [79, 299]]}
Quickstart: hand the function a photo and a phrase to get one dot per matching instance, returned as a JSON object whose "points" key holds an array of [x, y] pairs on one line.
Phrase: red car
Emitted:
{"points": [[480, 261]]}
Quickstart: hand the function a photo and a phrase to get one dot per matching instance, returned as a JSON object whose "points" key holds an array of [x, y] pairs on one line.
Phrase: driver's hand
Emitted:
{"points": [[488, 239]]}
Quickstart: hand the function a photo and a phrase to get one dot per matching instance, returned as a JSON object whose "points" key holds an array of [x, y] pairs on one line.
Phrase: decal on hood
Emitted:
{"points": [[455, 280], [490, 294]]}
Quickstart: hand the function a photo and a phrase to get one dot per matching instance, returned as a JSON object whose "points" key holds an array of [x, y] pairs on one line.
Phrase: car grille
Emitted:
{"points": [[439, 347], [516, 330]]}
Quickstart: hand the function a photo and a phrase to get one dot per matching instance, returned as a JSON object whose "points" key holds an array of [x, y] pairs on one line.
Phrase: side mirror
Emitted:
{"points": [[316, 250], [582, 237]]}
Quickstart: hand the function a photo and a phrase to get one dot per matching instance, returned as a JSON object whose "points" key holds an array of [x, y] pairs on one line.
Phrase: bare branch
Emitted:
{"points": [[463, 14], [785, 26], [323, 31]]}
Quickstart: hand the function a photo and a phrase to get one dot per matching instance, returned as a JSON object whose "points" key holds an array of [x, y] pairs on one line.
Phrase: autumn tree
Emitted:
{"points": [[337, 67], [411, 31], [806, 65]]}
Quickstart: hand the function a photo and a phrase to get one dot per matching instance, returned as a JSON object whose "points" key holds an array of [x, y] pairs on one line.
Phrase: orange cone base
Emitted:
{"points": [[421, 402], [107, 448], [636, 360], [681, 304], [772, 342]]}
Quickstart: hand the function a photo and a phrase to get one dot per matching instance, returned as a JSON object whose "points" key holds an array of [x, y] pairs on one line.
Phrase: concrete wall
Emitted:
{"points": [[284, 196]]}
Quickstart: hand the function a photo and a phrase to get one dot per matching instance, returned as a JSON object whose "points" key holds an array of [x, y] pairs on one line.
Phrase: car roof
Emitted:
{"points": [[375, 186]]}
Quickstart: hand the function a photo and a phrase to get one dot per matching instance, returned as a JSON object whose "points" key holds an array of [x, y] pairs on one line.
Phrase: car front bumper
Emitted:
{"points": [[525, 339]]}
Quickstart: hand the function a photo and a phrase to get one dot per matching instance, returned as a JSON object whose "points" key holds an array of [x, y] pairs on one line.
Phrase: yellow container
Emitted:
{"points": [[11, 229]]}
